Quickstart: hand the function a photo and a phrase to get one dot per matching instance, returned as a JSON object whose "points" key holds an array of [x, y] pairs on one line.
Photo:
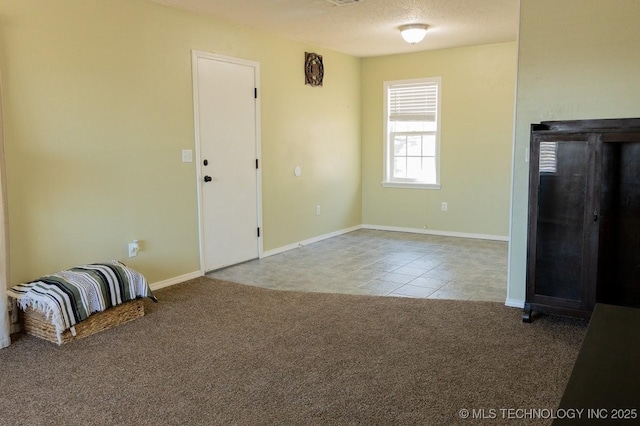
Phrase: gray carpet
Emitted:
{"points": [[218, 353]]}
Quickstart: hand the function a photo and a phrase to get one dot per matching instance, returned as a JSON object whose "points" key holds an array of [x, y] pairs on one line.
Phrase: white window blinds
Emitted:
{"points": [[413, 102]]}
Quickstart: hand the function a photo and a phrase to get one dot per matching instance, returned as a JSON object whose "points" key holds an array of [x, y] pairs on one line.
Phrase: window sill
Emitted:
{"points": [[410, 185]]}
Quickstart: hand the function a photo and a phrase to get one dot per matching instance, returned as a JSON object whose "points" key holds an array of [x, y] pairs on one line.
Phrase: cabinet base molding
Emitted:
{"points": [[531, 308]]}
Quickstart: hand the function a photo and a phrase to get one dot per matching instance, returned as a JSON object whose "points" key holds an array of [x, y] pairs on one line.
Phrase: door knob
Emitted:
{"points": [[207, 179]]}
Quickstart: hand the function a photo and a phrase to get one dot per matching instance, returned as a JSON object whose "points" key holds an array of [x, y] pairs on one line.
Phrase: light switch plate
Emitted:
{"points": [[187, 156]]}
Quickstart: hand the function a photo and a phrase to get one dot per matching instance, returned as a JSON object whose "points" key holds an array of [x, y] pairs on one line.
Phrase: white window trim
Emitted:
{"points": [[386, 146]]}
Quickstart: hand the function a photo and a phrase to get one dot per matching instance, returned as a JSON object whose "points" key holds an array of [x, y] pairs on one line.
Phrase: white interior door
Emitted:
{"points": [[226, 111]]}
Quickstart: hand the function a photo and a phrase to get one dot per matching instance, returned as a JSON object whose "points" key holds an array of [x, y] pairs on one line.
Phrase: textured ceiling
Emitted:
{"points": [[369, 27]]}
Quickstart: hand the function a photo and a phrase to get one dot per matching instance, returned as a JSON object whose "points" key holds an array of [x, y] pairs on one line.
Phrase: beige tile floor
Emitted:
{"points": [[384, 263]]}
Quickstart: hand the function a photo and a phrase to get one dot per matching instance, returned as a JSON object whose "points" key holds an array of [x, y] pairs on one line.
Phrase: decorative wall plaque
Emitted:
{"points": [[313, 69]]}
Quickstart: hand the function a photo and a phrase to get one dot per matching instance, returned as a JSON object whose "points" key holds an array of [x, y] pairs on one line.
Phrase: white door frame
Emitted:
{"points": [[195, 55]]}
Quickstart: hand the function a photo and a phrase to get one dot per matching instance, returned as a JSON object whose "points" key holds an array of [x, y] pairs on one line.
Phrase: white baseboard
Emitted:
{"points": [[175, 280], [514, 303], [309, 241], [436, 232]]}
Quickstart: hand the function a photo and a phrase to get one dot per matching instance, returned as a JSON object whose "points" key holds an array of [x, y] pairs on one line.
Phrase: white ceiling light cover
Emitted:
{"points": [[413, 33]]}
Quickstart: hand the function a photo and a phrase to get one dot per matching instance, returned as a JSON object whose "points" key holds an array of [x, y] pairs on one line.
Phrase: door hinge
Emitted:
{"points": [[255, 93], [257, 164], [258, 232]]}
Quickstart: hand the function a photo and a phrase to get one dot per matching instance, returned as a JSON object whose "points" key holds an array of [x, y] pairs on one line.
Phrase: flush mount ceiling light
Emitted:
{"points": [[413, 33]]}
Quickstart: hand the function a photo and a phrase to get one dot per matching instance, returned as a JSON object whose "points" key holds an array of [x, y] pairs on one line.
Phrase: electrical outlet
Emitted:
{"points": [[318, 210], [133, 248], [444, 206], [187, 156]]}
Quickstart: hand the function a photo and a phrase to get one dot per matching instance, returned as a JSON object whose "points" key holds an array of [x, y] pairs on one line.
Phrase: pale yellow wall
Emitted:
{"points": [[477, 129], [317, 129], [98, 106], [578, 59]]}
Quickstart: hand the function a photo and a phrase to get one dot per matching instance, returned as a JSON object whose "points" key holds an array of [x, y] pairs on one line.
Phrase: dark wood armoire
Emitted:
{"points": [[584, 216]]}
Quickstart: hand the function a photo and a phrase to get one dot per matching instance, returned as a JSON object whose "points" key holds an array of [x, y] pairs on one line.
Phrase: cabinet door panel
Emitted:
{"points": [[562, 203], [619, 264]]}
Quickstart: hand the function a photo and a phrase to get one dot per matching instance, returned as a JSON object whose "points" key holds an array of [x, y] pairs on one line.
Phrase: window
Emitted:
{"points": [[412, 133]]}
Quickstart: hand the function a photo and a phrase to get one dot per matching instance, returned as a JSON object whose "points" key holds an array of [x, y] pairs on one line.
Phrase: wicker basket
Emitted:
{"points": [[36, 323]]}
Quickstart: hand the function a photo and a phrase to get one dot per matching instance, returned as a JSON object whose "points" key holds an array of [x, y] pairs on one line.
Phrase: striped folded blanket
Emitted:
{"points": [[70, 296]]}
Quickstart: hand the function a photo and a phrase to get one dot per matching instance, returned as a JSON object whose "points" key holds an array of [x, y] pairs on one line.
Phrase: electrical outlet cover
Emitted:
{"points": [[133, 249]]}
